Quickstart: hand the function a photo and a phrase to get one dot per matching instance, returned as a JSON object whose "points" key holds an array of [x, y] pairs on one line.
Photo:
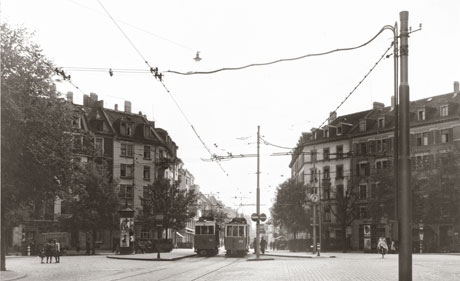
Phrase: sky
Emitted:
{"points": [[225, 108]]}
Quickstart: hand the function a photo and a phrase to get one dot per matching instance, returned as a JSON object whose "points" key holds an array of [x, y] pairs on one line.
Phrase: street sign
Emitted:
{"points": [[261, 228], [314, 198], [254, 217], [263, 217]]}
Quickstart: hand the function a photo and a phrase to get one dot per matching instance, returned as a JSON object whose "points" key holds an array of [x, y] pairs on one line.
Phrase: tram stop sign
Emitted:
{"points": [[263, 217], [254, 217]]}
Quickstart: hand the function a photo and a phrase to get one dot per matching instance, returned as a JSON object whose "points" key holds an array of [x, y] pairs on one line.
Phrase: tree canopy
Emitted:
{"points": [[289, 207], [35, 121], [167, 199]]}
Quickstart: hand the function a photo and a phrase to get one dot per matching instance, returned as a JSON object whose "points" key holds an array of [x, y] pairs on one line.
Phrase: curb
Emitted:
{"points": [[16, 276], [150, 259], [302, 257]]}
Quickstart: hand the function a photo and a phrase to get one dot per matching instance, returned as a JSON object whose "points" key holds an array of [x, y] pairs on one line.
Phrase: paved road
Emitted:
{"points": [[354, 267]]}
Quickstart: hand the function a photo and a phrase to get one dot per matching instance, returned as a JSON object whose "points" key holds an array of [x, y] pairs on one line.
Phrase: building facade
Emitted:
{"points": [[355, 155]]}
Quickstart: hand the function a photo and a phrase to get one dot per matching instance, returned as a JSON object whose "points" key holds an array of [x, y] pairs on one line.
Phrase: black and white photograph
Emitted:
{"points": [[230, 140]]}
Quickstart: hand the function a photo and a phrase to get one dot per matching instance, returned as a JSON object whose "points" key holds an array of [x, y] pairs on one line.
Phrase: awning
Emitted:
{"points": [[177, 233]]}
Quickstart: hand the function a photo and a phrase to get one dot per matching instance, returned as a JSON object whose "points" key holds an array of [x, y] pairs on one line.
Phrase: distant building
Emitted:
{"points": [[353, 152]]}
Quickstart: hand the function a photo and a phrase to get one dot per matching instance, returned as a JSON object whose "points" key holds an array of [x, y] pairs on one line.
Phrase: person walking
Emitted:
{"points": [[263, 244], [57, 251], [41, 253], [49, 252], [382, 246], [255, 245], [88, 247]]}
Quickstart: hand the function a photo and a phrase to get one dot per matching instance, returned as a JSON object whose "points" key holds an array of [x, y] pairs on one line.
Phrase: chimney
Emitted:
{"points": [[332, 117], [116, 107], [378, 105], [456, 90], [127, 106], [140, 113], [69, 97], [85, 100], [93, 97]]}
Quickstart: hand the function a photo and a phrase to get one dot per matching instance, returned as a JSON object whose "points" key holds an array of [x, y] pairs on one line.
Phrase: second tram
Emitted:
{"points": [[206, 237]]}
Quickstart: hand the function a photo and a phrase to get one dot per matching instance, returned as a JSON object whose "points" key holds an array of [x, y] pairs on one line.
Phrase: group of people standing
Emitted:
{"points": [[50, 249]]}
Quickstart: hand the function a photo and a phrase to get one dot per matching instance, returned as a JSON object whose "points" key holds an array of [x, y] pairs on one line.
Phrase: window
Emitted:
{"points": [[313, 155], [99, 146], [339, 190], [363, 169], [76, 123], [326, 173], [339, 152], [147, 152], [444, 136], [363, 148], [145, 233], [425, 138], [147, 132], [326, 153], [418, 139], [339, 172], [421, 115], [362, 212], [126, 194], [326, 132], [362, 191], [146, 173], [126, 129], [382, 164], [339, 130], [313, 175], [362, 125], [326, 194], [444, 110], [126, 150], [126, 171], [381, 122], [99, 124], [327, 215]]}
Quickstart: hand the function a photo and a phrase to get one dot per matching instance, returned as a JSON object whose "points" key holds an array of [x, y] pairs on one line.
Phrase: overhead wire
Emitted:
{"points": [[279, 60], [162, 83]]}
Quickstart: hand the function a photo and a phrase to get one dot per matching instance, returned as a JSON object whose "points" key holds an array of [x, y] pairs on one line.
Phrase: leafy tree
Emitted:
{"points": [[93, 200], [169, 200], [382, 201], [289, 207], [34, 121], [345, 210]]}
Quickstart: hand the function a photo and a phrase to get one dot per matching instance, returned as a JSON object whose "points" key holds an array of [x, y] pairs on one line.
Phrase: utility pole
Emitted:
{"points": [[318, 249], [258, 195], [396, 109], [405, 204]]}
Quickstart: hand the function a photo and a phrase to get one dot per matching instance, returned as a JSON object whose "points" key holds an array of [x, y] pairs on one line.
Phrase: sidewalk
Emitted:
{"points": [[11, 275], [175, 254], [287, 253]]}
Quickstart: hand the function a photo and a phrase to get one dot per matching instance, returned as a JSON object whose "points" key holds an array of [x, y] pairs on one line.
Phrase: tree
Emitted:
{"points": [[289, 207], [164, 198], [35, 148], [345, 209], [93, 200]]}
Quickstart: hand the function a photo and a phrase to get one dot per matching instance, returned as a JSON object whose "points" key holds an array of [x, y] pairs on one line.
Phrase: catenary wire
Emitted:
{"points": [[162, 83], [280, 60]]}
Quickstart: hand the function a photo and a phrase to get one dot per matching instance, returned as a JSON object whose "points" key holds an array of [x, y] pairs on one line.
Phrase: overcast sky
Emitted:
{"points": [[225, 108]]}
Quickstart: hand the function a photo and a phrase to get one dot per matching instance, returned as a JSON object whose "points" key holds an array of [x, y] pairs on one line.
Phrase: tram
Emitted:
{"points": [[236, 239], [206, 237]]}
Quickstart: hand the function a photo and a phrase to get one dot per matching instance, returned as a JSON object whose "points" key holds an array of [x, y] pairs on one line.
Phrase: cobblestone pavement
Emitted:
{"points": [[369, 267]]}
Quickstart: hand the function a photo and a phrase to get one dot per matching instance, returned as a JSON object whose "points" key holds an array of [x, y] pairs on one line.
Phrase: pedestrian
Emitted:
{"points": [[393, 247], [49, 252], [57, 251], [88, 246], [263, 244], [41, 252], [255, 245]]}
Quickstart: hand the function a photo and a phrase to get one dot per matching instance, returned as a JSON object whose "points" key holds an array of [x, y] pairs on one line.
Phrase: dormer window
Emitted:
{"points": [[126, 129], [76, 123], [362, 125], [339, 130], [147, 133], [444, 110], [381, 122], [421, 115], [326, 132]]}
